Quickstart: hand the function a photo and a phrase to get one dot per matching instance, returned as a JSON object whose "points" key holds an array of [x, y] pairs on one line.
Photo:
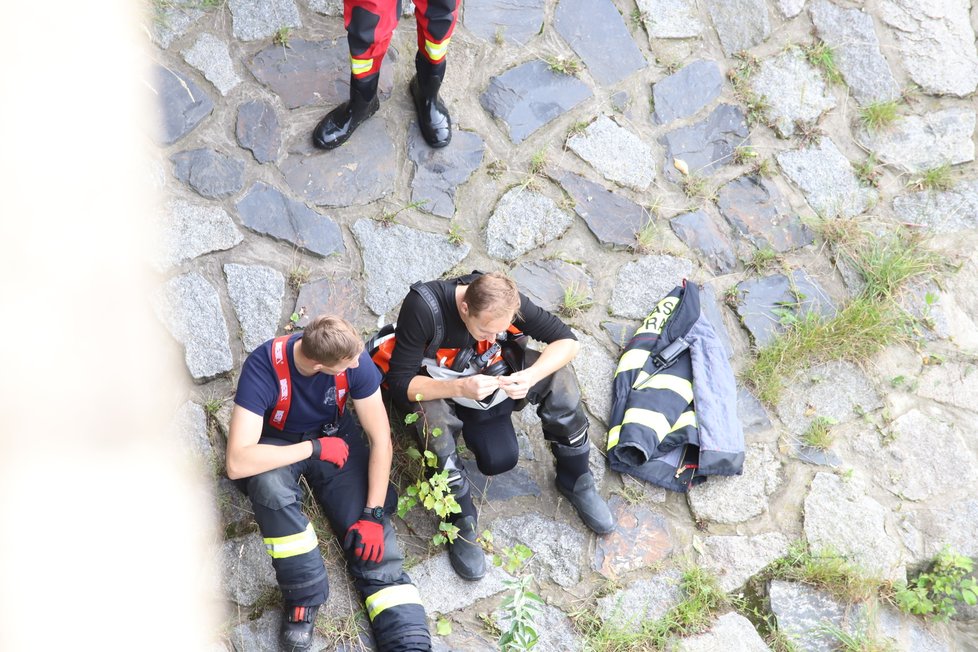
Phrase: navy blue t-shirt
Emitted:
{"points": [[313, 397]]}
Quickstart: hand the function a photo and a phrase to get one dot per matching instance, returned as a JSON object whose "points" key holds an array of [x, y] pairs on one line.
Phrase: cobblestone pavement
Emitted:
{"points": [[612, 147]]}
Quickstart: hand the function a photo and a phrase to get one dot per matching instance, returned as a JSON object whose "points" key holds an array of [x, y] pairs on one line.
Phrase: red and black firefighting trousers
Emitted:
{"points": [[370, 25], [491, 437], [392, 601]]}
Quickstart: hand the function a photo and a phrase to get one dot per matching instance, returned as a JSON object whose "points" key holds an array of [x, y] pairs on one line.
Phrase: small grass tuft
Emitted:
{"points": [[578, 128], [575, 301], [645, 237], [879, 115], [500, 36], [762, 260], [298, 276], [819, 434], [390, 217], [935, 179], [822, 56], [538, 162], [563, 66], [764, 168], [697, 187], [496, 169]]}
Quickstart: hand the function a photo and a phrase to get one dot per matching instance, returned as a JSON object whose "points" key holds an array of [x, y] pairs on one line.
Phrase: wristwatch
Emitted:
{"points": [[377, 513]]}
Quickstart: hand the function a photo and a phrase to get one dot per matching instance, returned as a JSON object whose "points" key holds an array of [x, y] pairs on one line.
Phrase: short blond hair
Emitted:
{"points": [[329, 340], [494, 293]]}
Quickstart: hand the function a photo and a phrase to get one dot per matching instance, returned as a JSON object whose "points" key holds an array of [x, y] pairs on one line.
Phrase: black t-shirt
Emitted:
{"points": [[416, 329]]}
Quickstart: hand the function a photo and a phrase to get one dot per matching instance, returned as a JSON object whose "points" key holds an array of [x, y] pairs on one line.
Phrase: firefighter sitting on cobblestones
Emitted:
{"points": [[459, 346], [289, 421]]}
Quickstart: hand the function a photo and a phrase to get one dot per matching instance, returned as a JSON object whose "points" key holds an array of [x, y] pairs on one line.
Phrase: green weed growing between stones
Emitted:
{"points": [[645, 237], [819, 433], [697, 187], [863, 639], [575, 301], [934, 179], [455, 234], [762, 260], [822, 56], [823, 569], [702, 600], [861, 328], [868, 171], [390, 217], [282, 36], [564, 66], [298, 275], [744, 154], [341, 633], [879, 115], [936, 592]]}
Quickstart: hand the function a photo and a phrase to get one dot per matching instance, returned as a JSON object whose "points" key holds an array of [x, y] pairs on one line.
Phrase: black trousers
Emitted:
{"points": [[392, 602]]}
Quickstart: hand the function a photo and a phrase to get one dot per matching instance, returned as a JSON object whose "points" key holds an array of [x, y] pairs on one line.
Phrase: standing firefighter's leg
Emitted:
{"points": [[294, 547], [465, 553], [558, 401], [369, 26], [393, 605], [436, 22]]}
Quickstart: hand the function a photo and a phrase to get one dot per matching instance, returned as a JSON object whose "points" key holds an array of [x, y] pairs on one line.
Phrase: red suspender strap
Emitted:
{"points": [[280, 362], [342, 385]]}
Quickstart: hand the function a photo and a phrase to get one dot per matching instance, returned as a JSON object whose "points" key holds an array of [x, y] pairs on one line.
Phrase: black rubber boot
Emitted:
{"points": [[297, 628], [465, 553], [575, 482], [433, 118], [340, 123]]}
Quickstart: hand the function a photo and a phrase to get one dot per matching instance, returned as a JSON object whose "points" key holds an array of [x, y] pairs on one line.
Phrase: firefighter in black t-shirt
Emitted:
{"points": [[459, 346]]}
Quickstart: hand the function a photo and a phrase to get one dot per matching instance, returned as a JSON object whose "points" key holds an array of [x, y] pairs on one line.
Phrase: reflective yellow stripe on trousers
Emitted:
{"points": [[436, 50], [360, 66], [391, 597], [293, 544]]}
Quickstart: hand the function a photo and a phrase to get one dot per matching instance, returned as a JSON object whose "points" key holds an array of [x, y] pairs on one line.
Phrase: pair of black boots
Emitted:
{"points": [[436, 125]]}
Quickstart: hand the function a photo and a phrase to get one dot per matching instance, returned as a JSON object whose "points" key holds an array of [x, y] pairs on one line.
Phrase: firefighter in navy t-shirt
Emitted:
{"points": [[289, 420]]}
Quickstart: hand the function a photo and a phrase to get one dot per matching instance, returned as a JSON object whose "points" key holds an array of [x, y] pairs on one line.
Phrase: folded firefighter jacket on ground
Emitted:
{"points": [[674, 411]]}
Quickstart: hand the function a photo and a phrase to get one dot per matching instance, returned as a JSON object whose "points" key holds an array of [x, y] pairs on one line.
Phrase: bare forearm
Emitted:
{"points": [[431, 389], [378, 473], [246, 461], [553, 357]]}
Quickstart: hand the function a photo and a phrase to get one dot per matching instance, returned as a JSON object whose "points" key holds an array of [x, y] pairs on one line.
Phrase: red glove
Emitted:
{"points": [[331, 449], [366, 536]]}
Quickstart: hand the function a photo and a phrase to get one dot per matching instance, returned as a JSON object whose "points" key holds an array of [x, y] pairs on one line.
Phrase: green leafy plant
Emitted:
{"points": [[868, 171], [282, 36], [455, 234], [824, 569], [443, 627], [879, 115], [520, 609], [936, 592], [744, 154], [430, 489], [294, 319]]}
